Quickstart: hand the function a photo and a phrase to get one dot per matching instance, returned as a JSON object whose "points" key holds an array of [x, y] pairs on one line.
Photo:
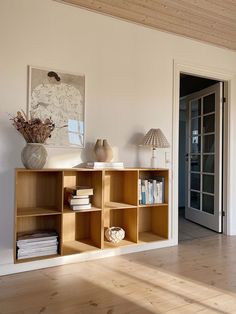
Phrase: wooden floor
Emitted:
{"points": [[198, 276], [190, 231]]}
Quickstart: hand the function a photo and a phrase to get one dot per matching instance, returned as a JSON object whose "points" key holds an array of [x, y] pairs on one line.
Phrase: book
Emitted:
{"points": [[151, 191], [81, 207], [80, 190], [162, 188], [78, 201], [105, 165]]}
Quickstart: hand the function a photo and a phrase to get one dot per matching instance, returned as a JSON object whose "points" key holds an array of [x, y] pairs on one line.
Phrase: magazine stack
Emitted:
{"points": [[35, 244]]}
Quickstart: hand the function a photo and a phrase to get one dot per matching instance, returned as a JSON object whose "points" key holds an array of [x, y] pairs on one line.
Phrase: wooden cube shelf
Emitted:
{"points": [[33, 223], [125, 218], [81, 232], [153, 223], [89, 178], [38, 192], [121, 188], [41, 204]]}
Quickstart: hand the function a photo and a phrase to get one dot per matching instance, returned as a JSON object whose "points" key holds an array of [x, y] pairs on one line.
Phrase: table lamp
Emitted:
{"points": [[155, 139]]}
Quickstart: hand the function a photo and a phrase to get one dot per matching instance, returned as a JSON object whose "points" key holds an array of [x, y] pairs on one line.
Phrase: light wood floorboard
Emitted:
{"points": [[198, 276]]}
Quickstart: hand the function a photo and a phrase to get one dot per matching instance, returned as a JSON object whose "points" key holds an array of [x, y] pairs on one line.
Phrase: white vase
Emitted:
{"points": [[115, 234], [34, 156]]}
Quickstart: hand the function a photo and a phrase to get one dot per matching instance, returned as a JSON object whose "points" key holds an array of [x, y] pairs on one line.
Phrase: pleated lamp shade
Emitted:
{"points": [[155, 139]]}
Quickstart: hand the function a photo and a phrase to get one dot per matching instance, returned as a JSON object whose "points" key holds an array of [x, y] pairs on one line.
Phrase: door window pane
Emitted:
{"points": [[195, 108], [209, 163], [195, 200], [209, 123], [208, 183], [195, 181], [195, 163], [195, 144], [208, 203], [196, 126], [209, 103], [209, 143]]}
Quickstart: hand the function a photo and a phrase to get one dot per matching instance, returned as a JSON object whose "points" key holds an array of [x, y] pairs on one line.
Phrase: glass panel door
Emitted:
{"points": [[204, 127]]}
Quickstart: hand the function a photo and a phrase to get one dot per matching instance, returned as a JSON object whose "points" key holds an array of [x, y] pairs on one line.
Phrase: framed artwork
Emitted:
{"points": [[61, 97]]}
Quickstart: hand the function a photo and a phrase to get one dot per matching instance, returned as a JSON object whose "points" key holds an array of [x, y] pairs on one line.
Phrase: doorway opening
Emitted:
{"points": [[200, 157]]}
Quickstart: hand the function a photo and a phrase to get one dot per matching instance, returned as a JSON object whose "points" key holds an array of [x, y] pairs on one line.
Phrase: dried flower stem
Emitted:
{"points": [[33, 130]]}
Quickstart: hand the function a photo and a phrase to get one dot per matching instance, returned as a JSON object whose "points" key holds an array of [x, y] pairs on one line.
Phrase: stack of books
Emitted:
{"points": [[37, 243], [152, 191], [105, 165], [78, 197]]}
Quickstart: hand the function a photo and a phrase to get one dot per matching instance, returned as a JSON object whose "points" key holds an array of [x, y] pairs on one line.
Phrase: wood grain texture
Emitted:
{"points": [[195, 277], [41, 204], [211, 21]]}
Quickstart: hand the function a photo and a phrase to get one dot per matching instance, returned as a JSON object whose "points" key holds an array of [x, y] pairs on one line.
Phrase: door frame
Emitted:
{"points": [[229, 79]]}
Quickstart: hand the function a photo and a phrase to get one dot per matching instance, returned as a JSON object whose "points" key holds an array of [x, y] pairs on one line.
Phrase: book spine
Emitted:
{"points": [[139, 191], [143, 193]]}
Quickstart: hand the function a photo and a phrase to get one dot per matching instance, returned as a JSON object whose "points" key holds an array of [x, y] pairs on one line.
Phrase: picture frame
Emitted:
{"points": [[58, 95]]}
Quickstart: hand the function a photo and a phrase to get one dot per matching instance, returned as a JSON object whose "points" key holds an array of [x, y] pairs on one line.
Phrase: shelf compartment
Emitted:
{"points": [[153, 223], [36, 211], [39, 223], [147, 174], [121, 187], [81, 231], [89, 178], [126, 219], [39, 189]]}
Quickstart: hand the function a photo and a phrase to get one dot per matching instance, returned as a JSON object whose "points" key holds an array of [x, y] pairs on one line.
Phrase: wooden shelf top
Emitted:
{"points": [[32, 259], [88, 169], [153, 205], [110, 245], [149, 237], [36, 211], [75, 247], [68, 210], [117, 205]]}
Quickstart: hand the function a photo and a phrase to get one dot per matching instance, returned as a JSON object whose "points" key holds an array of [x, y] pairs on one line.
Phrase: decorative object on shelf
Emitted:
{"points": [[61, 96], [35, 132], [34, 156], [103, 151], [155, 139], [99, 151], [108, 151], [115, 234]]}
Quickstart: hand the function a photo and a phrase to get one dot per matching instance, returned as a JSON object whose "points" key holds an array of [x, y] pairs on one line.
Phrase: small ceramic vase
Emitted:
{"points": [[99, 151], [108, 151], [115, 234], [34, 156]]}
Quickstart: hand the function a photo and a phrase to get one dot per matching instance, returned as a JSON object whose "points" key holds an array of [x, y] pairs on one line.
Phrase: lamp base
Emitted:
{"points": [[154, 158]]}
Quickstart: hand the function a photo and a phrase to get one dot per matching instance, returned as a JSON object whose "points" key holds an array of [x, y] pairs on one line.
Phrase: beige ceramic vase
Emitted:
{"points": [[99, 151], [103, 151], [108, 151], [34, 156]]}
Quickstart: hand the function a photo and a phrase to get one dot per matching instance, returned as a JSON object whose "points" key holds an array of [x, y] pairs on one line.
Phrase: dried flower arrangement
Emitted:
{"points": [[33, 130]]}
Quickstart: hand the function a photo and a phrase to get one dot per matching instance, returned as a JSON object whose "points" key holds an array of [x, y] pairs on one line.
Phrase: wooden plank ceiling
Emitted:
{"points": [[211, 21]]}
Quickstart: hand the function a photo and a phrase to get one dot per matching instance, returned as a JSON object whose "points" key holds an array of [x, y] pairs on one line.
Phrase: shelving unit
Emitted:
{"points": [[41, 204]]}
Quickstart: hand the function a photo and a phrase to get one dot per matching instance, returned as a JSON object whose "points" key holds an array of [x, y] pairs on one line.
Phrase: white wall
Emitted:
{"points": [[129, 80]]}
